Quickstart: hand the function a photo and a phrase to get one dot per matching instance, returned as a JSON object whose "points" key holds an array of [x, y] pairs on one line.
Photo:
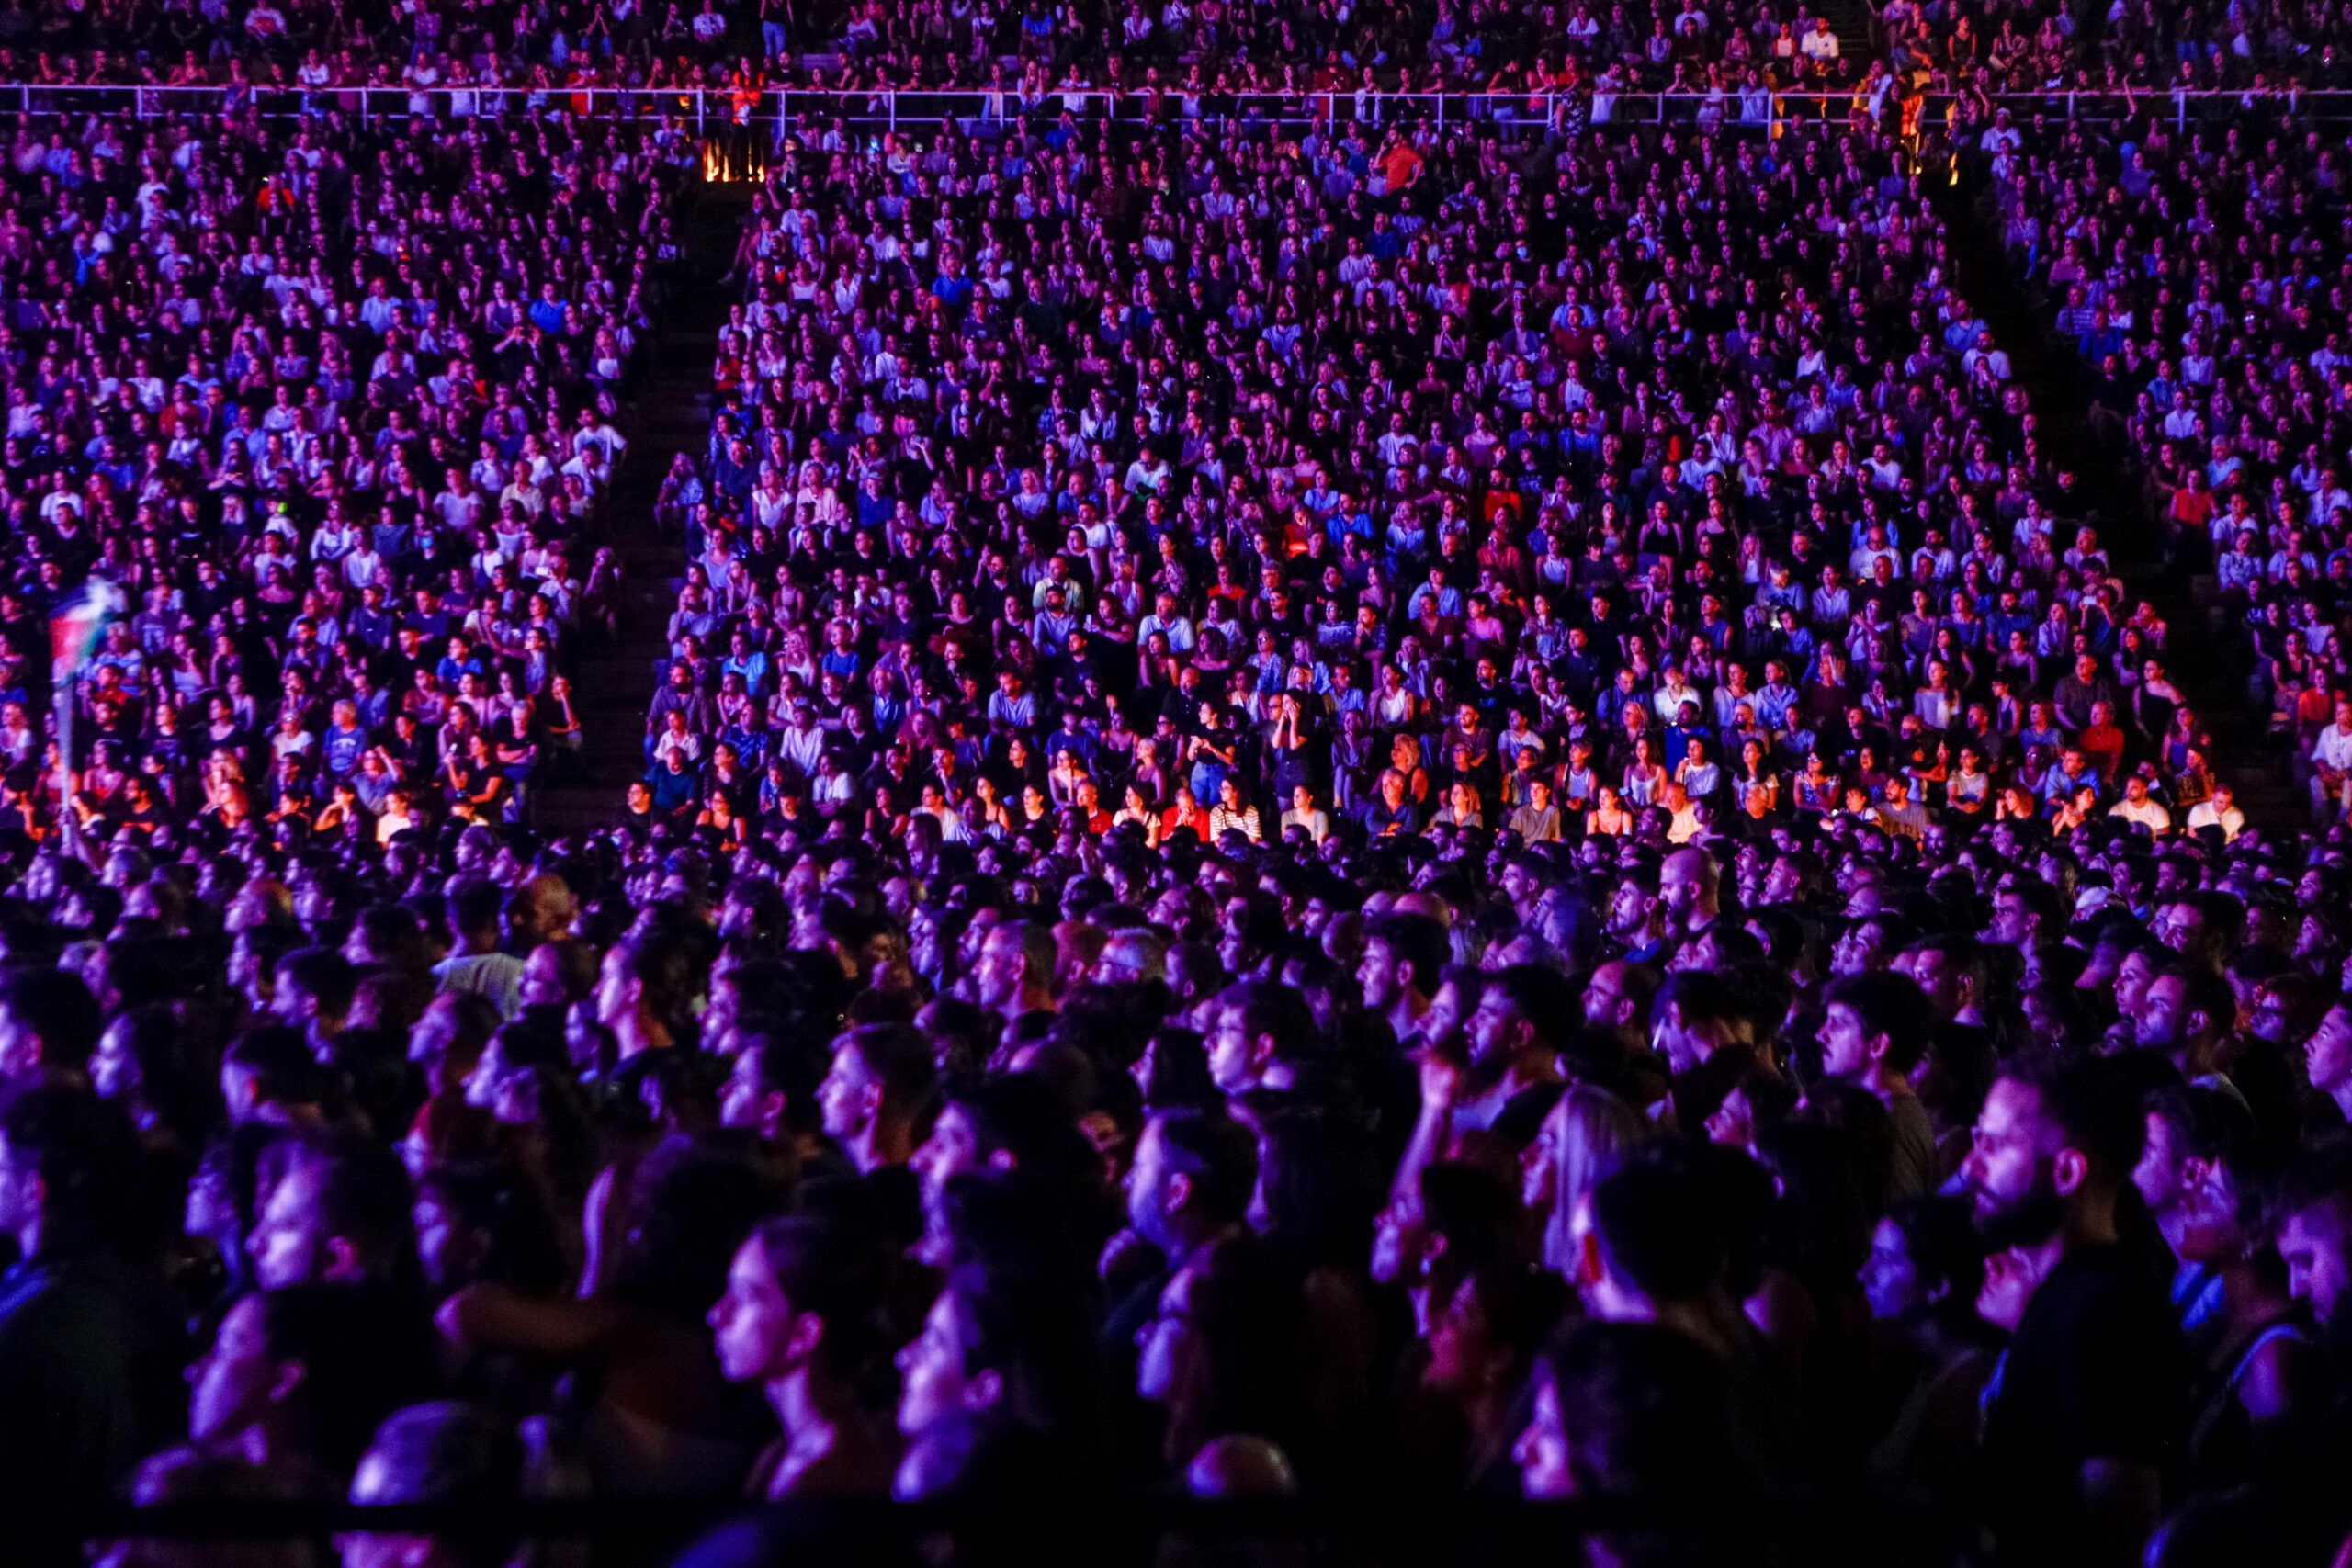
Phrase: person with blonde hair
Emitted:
{"points": [[1587, 1134]]}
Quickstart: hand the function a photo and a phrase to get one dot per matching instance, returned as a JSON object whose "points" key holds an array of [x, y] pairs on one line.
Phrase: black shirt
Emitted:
{"points": [[2094, 1371]]}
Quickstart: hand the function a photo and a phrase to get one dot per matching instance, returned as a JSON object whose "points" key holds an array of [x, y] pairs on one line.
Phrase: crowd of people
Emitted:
{"points": [[2203, 281], [333, 411], [1368, 810]]}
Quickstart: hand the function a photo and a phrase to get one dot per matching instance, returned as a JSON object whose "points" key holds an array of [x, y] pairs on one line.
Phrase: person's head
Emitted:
{"points": [[1874, 1024], [1404, 955], [1221, 1352], [316, 1366], [2327, 1054], [2184, 1013], [1661, 1231], [340, 1211], [1637, 1413], [1523, 1010], [803, 1294], [995, 1348], [1256, 1021], [314, 990], [1925, 1261], [880, 1073], [456, 1454], [49, 1023], [67, 1160], [1191, 1176], [2311, 1215], [1585, 1137], [1015, 970], [2055, 1139]]}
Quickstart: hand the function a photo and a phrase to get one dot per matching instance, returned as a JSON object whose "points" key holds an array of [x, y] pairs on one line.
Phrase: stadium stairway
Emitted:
{"points": [[2202, 657], [614, 683]]}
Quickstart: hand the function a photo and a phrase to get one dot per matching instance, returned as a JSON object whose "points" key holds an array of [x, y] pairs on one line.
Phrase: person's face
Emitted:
{"points": [[752, 1326], [743, 1101], [1542, 1450], [1890, 1278], [2010, 1276], [1604, 996], [1845, 1046], [1232, 1056], [1629, 909], [2163, 1020], [2005, 1170], [846, 1097], [542, 980], [289, 1245], [2011, 927], [1539, 1164], [952, 1149], [1147, 1182], [2328, 1054], [2312, 1244], [235, 1382], [1376, 971], [114, 1071], [932, 1381], [1494, 1031], [616, 990], [997, 976], [1163, 1343]]}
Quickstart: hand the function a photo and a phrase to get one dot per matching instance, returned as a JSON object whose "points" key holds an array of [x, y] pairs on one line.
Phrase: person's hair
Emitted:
{"points": [[393, 934], [1708, 1001], [839, 1274], [690, 1205], [472, 905], [2090, 1100], [1264, 1007], [899, 1057], [454, 1453], [1417, 939], [279, 1062], [1179, 1075], [1039, 952], [1319, 1185], [2318, 1180], [1539, 996], [363, 1351], [785, 1064], [1216, 1154], [323, 975], [86, 1154], [1033, 1335], [1888, 1004], [665, 969], [2206, 991], [1473, 1214], [180, 1094], [363, 1196], [55, 1004], [1597, 1131], [1648, 1417], [509, 1211], [1664, 1219], [1242, 1374]]}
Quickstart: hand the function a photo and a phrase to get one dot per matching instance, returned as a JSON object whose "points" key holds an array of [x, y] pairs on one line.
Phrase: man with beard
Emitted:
{"points": [[2086, 1407]]}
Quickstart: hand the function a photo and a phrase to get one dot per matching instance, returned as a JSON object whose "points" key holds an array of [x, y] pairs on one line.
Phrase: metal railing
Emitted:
{"points": [[709, 109]]}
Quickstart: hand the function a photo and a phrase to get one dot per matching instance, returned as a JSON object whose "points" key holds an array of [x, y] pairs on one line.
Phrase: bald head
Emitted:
{"points": [[1236, 1466]]}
